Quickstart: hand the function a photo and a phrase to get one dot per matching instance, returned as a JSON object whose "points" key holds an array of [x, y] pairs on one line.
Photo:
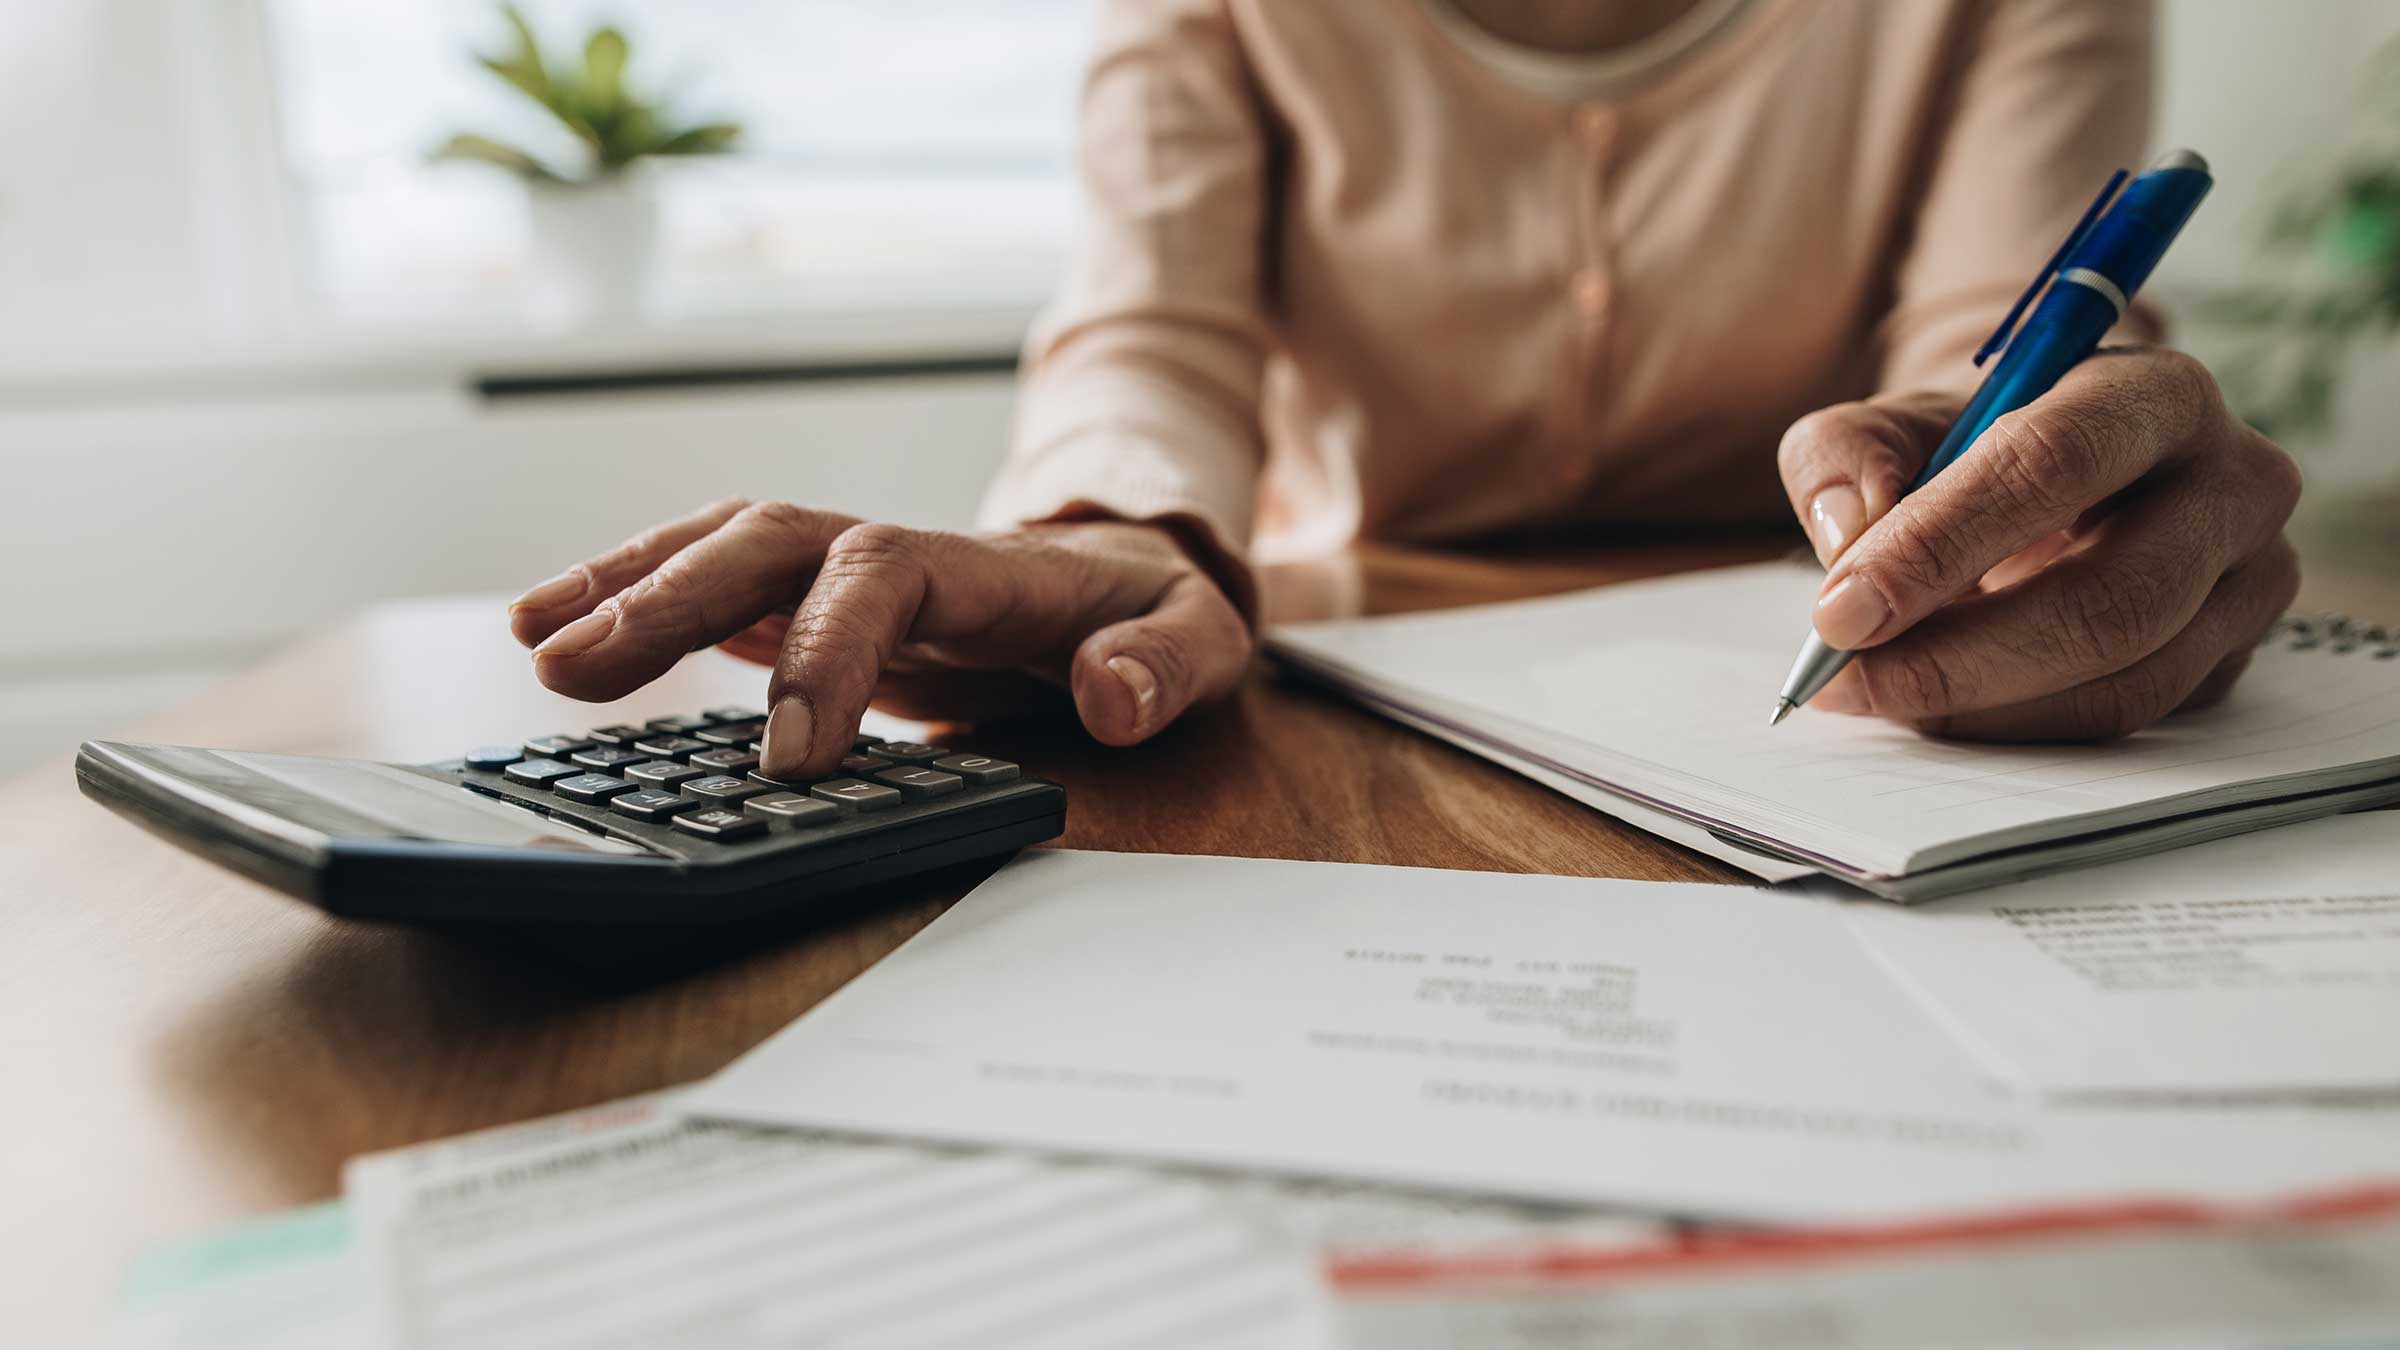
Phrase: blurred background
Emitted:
{"points": [[265, 358]]}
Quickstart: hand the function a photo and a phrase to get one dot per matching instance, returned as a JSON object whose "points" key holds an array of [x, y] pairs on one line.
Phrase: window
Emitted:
{"points": [[894, 152]]}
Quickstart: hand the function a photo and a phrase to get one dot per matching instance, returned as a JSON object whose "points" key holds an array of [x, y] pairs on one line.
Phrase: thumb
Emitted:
{"points": [[1845, 466], [1132, 678]]}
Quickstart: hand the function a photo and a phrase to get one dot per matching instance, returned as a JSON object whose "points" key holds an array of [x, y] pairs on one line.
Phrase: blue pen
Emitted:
{"points": [[2091, 278]]}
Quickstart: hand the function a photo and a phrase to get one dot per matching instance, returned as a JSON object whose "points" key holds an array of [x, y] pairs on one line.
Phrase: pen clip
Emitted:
{"points": [[1999, 337]]}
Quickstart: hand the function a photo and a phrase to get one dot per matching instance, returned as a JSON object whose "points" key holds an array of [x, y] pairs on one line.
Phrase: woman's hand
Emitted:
{"points": [[2101, 558], [847, 611]]}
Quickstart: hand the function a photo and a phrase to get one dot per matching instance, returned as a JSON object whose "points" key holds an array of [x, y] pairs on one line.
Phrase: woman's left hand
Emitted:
{"points": [[2101, 558]]}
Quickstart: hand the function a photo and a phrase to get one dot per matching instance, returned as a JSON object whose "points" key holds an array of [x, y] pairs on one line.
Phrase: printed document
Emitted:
{"points": [[1699, 1050], [629, 1224], [2320, 1274], [2269, 963]]}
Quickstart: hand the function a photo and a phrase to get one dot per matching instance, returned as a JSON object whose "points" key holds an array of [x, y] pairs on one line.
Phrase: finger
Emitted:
{"points": [[757, 561], [2209, 652], [1844, 467], [951, 695], [881, 585], [573, 593], [2108, 422], [1134, 677], [762, 642], [2121, 594]]}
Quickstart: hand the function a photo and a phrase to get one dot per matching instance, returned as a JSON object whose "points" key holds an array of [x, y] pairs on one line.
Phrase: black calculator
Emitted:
{"points": [[666, 823]]}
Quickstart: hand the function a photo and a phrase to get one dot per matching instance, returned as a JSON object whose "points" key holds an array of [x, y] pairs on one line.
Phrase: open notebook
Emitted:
{"points": [[1650, 693]]}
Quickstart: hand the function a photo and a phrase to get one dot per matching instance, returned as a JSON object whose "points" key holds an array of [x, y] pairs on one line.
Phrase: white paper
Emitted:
{"points": [[635, 1227], [1660, 689], [1713, 1051], [2326, 1279], [2268, 963], [628, 1224]]}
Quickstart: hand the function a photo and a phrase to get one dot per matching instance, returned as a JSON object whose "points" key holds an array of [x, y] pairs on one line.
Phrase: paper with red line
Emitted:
{"points": [[1717, 1052], [2322, 1271]]}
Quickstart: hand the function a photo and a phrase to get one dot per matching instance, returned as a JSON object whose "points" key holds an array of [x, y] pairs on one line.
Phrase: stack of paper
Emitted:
{"points": [[1704, 1051], [1651, 696]]}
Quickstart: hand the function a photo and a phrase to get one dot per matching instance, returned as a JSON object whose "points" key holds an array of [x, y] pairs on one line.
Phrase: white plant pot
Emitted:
{"points": [[596, 244]]}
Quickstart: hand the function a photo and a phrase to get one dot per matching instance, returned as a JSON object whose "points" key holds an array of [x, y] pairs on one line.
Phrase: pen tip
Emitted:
{"points": [[1783, 709]]}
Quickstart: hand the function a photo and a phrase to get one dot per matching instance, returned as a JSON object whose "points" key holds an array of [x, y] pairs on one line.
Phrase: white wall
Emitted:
{"points": [[155, 545]]}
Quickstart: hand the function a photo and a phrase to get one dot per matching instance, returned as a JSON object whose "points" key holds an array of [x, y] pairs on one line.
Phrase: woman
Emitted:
{"points": [[1432, 269]]}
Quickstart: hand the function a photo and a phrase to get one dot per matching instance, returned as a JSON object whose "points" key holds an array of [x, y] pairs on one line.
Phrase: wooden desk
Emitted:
{"points": [[185, 1048]]}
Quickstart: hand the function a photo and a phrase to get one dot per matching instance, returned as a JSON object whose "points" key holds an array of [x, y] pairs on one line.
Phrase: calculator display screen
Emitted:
{"points": [[350, 799]]}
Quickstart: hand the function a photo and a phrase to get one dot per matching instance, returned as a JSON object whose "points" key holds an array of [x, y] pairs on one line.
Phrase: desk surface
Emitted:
{"points": [[185, 1048]]}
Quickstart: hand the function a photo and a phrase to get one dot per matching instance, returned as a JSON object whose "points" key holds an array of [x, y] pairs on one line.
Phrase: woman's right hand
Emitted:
{"points": [[844, 610]]}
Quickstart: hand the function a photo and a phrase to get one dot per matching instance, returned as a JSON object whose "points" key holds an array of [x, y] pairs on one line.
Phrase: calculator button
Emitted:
{"points": [[734, 715], [677, 726], [611, 757], [978, 768], [652, 804], [539, 772], [864, 763], [718, 823], [791, 808], [493, 757], [670, 747], [620, 734], [863, 744], [591, 788], [663, 773], [776, 784], [722, 788], [737, 734], [920, 783], [852, 795], [910, 752], [555, 747], [735, 762]]}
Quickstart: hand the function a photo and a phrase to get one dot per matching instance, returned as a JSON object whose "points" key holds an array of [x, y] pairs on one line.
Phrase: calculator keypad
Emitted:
{"points": [[606, 757], [699, 776], [539, 773], [920, 784], [590, 788], [722, 788], [652, 805], [850, 794], [671, 747], [735, 762], [664, 774], [720, 824], [792, 808]]}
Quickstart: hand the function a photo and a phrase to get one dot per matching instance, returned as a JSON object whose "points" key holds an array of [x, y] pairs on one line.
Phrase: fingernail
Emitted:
{"points": [[790, 730], [558, 590], [1850, 613], [1139, 682], [1834, 516], [580, 636]]}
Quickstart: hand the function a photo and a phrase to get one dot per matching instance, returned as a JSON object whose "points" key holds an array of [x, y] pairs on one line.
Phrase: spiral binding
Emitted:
{"points": [[2336, 633]]}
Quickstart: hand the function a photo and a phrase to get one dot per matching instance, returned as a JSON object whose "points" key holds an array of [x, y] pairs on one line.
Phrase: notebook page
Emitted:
{"points": [[1663, 687]]}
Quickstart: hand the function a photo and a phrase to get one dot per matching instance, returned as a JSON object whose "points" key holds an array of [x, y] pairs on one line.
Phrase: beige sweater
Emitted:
{"points": [[1344, 275]]}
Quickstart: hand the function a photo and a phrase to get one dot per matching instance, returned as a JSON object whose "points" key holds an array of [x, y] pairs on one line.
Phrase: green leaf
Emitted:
{"points": [[603, 70], [714, 138], [485, 150]]}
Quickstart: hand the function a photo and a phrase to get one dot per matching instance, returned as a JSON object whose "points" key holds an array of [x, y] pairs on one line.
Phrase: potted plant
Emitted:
{"points": [[594, 215]]}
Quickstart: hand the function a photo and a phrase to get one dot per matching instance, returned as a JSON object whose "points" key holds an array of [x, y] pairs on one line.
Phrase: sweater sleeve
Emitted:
{"points": [[1139, 398], [2052, 97]]}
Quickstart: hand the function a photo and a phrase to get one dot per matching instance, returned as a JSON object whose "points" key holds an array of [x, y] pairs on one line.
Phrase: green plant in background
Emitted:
{"points": [[2338, 242], [616, 127]]}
